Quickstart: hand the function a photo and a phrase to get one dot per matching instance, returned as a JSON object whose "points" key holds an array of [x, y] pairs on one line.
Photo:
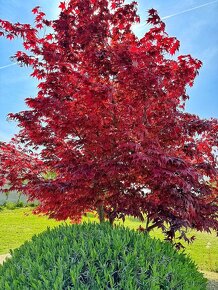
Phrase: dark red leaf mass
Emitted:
{"points": [[109, 122]]}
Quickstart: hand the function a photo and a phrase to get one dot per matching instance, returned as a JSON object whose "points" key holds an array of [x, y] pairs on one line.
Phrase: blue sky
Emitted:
{"points": [[197, 30]]}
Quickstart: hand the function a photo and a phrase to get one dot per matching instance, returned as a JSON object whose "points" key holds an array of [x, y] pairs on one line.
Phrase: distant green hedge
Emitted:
{"points": [[93, 256], [13, 205]]}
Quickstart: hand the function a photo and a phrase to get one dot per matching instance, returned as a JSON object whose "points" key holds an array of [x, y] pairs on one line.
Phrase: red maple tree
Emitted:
{"points": [[109, 121]]}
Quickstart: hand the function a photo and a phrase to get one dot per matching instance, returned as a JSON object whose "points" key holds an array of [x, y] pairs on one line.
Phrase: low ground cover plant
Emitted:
{"points": [[93, 256]]}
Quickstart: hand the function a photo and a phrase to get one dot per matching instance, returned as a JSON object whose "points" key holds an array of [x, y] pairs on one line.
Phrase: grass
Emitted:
{"points": [[19, 225]]}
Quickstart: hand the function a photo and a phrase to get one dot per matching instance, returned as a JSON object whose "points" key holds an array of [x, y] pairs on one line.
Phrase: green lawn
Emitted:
{"points": [[19, 225]]}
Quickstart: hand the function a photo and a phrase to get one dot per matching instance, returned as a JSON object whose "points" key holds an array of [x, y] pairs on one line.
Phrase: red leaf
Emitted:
{"points": [[62, 6], [174, 47], [35, 10], [133, 49], [49, 37], [39, 25], [26, 45], [10, 36], [152, 11], [113, 5]]}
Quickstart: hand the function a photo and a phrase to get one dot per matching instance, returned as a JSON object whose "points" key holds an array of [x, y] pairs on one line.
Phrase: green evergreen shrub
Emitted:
{"points": [[10, 205], [32, 204], [93, 256], [19, 204]]}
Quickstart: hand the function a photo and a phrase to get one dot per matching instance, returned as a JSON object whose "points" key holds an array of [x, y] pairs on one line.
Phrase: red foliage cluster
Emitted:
{"points": [[109, 120]]}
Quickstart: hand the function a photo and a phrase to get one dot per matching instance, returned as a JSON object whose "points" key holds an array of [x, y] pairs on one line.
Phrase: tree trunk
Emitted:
{"points": [[149, 228], [111, 220], [100, 211], [19, 196]]}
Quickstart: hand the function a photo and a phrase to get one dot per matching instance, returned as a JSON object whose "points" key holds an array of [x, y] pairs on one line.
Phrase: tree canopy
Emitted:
{"points": [[109, 121]]}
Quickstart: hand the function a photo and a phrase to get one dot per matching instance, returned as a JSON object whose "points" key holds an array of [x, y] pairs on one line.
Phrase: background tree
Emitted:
{"points": [[109, 120]]}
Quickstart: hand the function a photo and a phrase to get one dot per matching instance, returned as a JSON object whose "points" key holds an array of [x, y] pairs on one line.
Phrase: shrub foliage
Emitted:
{"points": [[92, 256]]}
